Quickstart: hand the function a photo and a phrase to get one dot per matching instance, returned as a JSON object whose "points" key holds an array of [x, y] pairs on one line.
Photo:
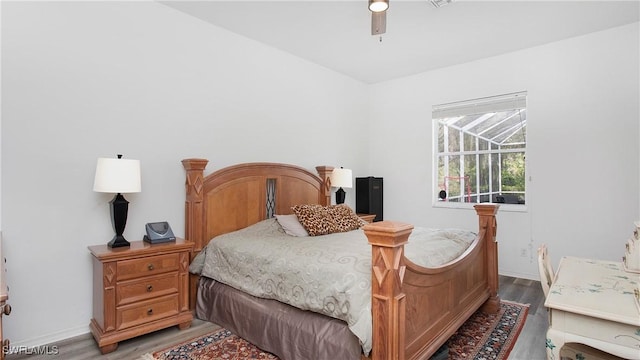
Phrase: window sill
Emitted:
{"points": [[469, 206]]}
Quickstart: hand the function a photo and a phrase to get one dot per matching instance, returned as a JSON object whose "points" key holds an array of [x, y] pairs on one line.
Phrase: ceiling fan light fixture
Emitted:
{"points": [[378, 5]]}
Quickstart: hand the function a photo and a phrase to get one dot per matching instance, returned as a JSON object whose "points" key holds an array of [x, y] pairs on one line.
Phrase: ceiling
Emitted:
{"points": [[419, 37]]}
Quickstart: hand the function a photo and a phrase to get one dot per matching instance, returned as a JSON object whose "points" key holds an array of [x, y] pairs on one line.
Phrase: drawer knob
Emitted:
{"points": [[6, 309], [149, 288], [150, 267], [150, 312]]}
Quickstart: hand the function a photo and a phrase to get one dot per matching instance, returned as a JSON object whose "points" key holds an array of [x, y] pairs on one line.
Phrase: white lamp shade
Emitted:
{"points": [[117, 176], [341, 178]]}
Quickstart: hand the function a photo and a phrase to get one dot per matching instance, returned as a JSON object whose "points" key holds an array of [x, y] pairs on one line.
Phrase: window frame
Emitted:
{"points": [[485, 105]]}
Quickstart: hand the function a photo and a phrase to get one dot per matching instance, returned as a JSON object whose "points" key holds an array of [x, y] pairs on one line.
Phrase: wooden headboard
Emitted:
{"points": [[236, 196]]}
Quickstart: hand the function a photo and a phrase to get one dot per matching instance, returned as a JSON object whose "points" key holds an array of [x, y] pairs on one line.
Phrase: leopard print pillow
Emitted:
{"points": [[315, 219], [345, 218], [322, 220]]}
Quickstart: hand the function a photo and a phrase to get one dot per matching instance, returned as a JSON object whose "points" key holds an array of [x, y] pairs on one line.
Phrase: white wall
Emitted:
{"points": [[83, 80], [0, 123], [582, 145], [86, 79]]}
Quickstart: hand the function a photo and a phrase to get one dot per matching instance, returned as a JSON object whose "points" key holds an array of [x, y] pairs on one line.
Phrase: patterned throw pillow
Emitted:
{"points": [[322, 220], [315, 219]]}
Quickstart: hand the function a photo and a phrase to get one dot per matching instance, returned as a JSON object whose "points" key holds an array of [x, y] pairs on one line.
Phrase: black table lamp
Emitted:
{"points": [[341, 178], [118, 176]]}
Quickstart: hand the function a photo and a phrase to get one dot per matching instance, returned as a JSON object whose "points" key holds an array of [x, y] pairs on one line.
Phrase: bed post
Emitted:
{"points": [[388, 302], [194, 210], [487, 218], [325, 175], [194, 213]]}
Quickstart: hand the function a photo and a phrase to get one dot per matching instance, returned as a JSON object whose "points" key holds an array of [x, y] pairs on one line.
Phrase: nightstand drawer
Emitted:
{"points": [[146, 288], [130, 269], [146, 311]]}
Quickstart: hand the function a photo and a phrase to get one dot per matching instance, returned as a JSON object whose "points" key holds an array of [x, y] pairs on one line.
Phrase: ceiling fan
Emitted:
{"points": [[379, 8], [378, 16]]}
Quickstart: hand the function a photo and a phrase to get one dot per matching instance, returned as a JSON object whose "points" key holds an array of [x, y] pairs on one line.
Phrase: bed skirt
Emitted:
{"points": [[283, 330]]}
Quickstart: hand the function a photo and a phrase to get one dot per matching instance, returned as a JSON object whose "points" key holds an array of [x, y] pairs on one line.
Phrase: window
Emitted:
{"points": [[480, 150]]}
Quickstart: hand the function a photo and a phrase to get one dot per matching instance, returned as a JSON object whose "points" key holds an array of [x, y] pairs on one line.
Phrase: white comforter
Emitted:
{"points": [[329, 274]]}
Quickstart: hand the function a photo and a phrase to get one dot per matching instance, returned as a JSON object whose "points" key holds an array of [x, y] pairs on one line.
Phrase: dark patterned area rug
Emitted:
{"points": [[220, 344], [489, 336], [482, 337]]}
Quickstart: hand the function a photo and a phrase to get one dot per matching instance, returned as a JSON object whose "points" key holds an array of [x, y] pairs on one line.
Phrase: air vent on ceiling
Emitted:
{"points": [[440, 3]]}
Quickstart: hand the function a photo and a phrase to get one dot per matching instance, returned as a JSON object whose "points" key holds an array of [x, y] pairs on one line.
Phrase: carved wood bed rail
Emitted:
{"points": [[415, 309]]}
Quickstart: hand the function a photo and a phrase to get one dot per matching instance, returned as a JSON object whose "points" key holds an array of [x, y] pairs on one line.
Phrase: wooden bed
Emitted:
{"points": [[415, 309]]}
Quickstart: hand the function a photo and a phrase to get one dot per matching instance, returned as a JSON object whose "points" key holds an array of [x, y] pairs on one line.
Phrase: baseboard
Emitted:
{"points": [[53, 338], [519, 275]]}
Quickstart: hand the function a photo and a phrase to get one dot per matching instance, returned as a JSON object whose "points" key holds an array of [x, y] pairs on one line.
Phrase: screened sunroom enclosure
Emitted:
{"points": [[481, 148]]}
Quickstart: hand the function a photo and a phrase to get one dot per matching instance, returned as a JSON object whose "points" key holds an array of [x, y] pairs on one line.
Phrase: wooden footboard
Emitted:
{"points": [[416, 309]]}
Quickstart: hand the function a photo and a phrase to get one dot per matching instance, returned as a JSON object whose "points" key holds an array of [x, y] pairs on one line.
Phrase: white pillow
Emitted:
{"points": [[291, 225]]}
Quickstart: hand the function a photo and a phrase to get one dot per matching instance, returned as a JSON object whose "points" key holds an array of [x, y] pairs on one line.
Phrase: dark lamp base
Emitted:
{"points": [[340, 195], [119, 209], [118, 241]]}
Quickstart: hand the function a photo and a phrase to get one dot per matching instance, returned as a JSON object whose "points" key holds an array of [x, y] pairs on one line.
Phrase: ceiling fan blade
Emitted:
{"points": [[378, 22]]}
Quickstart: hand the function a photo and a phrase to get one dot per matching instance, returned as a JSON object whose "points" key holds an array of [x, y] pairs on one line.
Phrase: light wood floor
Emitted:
{"points": [[530, 344]]}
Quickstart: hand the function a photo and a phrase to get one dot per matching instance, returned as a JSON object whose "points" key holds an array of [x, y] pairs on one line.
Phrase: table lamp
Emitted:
{"points": [[341, 178], [118, 176]]}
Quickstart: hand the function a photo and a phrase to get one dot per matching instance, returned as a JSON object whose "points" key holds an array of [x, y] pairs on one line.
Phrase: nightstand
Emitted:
{"points": [[367, 217], [139, 289]]}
